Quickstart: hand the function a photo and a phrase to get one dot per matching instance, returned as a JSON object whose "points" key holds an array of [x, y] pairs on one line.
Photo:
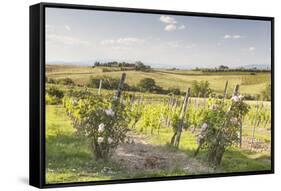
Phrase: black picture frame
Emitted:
{"points": [[37, 93]]}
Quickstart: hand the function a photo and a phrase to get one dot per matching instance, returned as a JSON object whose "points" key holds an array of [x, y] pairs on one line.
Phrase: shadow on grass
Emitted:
{"points": [[238, 160], [70, 152], [69, 160]]}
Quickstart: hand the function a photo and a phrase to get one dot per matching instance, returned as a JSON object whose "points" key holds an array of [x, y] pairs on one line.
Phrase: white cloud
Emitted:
{"points": [[227, 36], [170, 23], [235, 36], [167, 19], [123, 41], [170, 27], [252, 48], [67, 27]]}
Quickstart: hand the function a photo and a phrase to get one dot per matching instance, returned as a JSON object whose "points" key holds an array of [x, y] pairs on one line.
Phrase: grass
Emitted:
{"points": [[250, 84], [237, 161], [67, 155], [68, 158]]}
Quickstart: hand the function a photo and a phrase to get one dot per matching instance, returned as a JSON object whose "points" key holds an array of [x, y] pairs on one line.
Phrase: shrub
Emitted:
{"points": [[250, 96], [79, 94], [93, 82], [66, 81], [139, 66], [52, 100], [159, 90], [110, 83], [132, 88], [147, 84], [266, 93], [175, 91], [53, 95], [55, 92], [201, 89], [52, 81], [103, 121], [220, 125]]}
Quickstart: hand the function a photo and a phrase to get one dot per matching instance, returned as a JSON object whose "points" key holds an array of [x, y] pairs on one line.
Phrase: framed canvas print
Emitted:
{"points": [[131, 95]]}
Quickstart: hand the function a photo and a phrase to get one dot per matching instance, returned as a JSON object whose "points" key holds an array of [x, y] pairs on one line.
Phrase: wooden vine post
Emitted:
{"points": [[236, 90], [177, 134], [241, 132], [117, 96], [140, 102], [225, 90], [235, 93], [120, 86], [99, 92], [132, 101], [138, 114]]}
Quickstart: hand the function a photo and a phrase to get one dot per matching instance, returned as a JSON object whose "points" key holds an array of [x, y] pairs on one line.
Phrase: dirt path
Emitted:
{"points": [[140, 155]]}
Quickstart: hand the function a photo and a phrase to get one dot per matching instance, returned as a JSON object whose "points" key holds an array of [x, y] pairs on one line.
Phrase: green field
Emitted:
{"points": [[182, 79], [69, 158]]}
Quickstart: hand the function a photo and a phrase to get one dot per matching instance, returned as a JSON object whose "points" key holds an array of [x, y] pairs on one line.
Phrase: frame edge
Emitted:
{"points": [[35, 162]]}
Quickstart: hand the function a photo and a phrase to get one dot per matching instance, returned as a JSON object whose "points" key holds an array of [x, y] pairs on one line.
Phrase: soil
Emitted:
{"points": [[139, 154]]}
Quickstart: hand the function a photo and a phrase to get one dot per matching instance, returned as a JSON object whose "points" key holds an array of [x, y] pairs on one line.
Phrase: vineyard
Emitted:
{"points": [[98, 134]]}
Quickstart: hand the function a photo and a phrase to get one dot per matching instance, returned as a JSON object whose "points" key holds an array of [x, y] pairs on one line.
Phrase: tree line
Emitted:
{"points": [[223, 68], [138, 65]]}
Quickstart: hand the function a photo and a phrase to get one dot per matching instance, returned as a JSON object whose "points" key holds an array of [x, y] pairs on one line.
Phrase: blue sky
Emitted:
{"points": [[81, 36]]}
